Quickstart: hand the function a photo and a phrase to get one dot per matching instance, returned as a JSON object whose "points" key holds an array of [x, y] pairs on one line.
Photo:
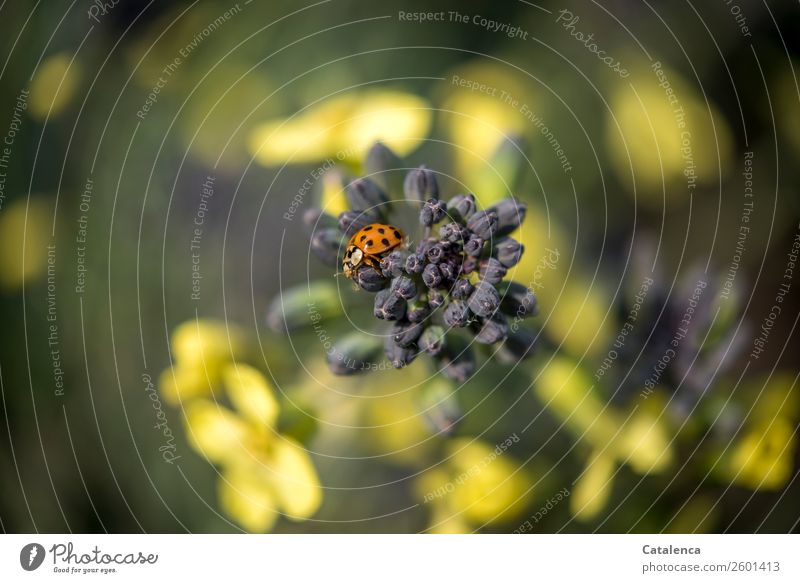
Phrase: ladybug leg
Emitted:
{"points": [[373, 262]]}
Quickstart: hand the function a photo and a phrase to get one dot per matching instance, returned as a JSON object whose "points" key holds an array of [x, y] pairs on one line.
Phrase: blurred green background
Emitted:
{"points": [[124, 125]]}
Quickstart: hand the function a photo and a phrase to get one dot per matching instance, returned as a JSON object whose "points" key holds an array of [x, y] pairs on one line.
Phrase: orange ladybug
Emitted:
{"points": [[369, 245]]}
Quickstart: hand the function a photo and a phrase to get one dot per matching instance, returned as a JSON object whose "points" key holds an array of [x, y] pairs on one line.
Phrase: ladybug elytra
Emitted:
{"points": [[369, 245]]}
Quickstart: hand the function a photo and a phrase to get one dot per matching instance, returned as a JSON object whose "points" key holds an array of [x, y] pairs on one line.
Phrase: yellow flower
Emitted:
{"points": [[397, 429], [264, 473], [54, 85], [24, 236], [481, 124], [640, 440], [344, 127], [201, 348], [663, 141], [763, 458], [593, 488], [478, 484]]}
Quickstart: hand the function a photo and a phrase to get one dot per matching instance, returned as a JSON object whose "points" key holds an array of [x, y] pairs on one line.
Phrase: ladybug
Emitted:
{"points": [[369, 245]]}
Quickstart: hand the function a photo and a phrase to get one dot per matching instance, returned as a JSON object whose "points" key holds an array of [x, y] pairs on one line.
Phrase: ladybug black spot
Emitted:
{"points": [[385, 241], [368, 243], [381, 231], [369, 228], [397, 234], [363, 237]]}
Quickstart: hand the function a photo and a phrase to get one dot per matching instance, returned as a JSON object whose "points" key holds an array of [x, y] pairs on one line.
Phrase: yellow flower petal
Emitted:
{"points": [[206, 344], [251, 394], [297, 141], [567, 390], [580, 317], [645, 132], [488, 484], [24, 236], [294, 479], [248, 500], [444, 522], [399, 120], [334, 201], [53, 86], [593, 489], [644, 444], [181, 383], [215, 431], [762, 459], [343, 128]]}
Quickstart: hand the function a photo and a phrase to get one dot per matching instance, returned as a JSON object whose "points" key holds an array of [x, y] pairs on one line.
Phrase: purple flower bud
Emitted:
{"points": [[418, 311], [484, 300], [510, 214], [392, 265], [369, 279], [351, 221], [405, 334], [420, 185], [426, 216], [473, 246], [518, 301], [461, 207], [435, 300], [415, 263], [435, 253], [449, 269], [363, 194], [351, 353], [397, 355], [483, 224], [462, 289], [379, 164], [404, 287], [469, 265], [518, 346], [458, 362], [508, 251], [425, 244], [315, 219], [453, 232], [433, 211], [432, 340], [389, 306], [431, 276], [325, 244], [492, 271], [456, 314], [492, 330]]}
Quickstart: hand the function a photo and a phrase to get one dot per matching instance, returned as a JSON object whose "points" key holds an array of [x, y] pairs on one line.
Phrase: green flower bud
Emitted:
{"points": [[432, 340], [304, 305], [439, 406], [353, 353]]}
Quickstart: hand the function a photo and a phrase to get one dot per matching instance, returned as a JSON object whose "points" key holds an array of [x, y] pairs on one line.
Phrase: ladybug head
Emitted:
{"points": [[352, 259]]}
